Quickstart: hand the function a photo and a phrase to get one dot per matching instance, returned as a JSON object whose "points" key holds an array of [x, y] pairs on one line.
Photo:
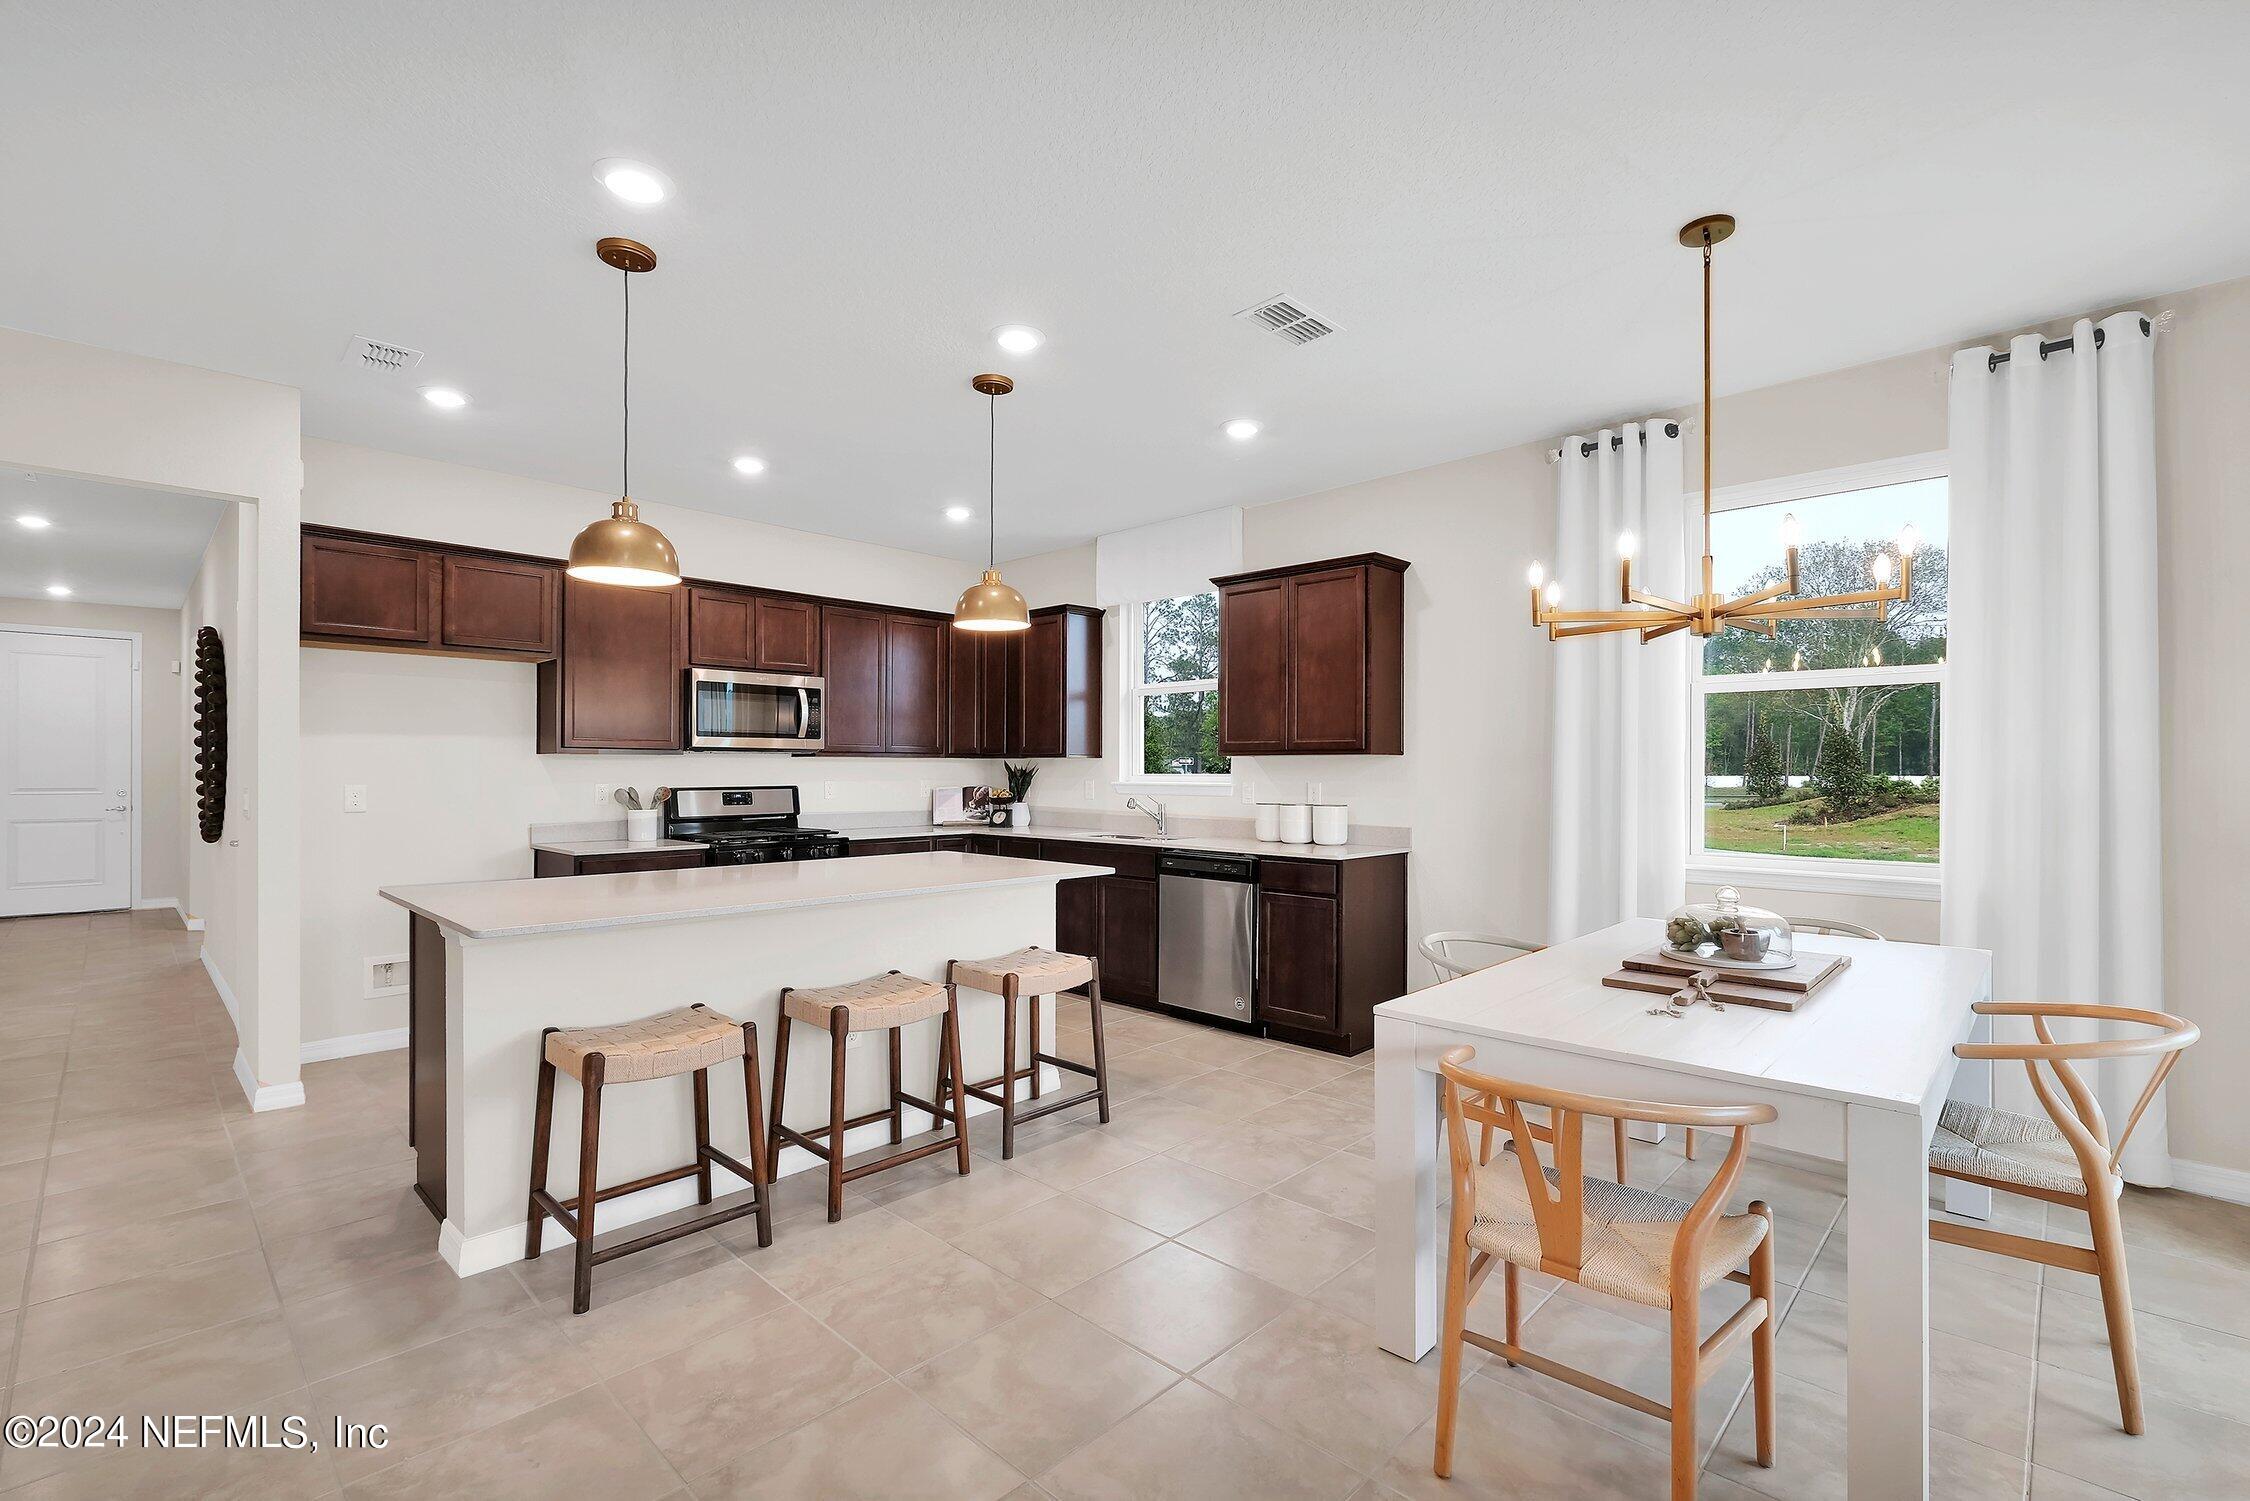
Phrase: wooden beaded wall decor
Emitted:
{"points": [[210, 734]]}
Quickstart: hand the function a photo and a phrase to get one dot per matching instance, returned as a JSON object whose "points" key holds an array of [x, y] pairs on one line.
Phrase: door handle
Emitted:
{"points": [[120, 808]]}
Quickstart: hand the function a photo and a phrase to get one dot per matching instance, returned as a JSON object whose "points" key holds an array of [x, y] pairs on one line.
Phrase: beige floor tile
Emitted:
{"points": [[1974, 1294], [1508, 1443], [2209, 1293], [451, 1387], [809, 1257], [267, 1173], [2164, 1219], [1226, 1094], [101, 1091], [119, 1136], [1164, 1194], [370, 1321], [631, 1323], [135, 1250], [1210, 1045], [906, 1314], [1342, 1185], [1136, 1075], [1076, 1159], [89, 1326], [1810, 1442], [552, 1278], [1251, 1154], [321, 1261], [719, 1397], [1316, 1117], [1323, 1377], [337, 1201], [1159, 1121], [2186, 1451], [2186, 1362], [885, 1444], [1282, 1241], [1178, 1305], [1190, 1442], [1039, 1386], [1057, 1243], [961, 1206], [582, 1445], [1977, 1392], [87, 1210], [1295, 1068]]}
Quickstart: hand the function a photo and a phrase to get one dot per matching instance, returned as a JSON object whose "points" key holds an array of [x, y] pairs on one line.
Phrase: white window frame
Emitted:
{"points": [[1132, 776], [1813, 873]]}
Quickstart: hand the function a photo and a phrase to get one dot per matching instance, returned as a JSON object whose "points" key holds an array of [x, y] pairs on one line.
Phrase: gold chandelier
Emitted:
{"points": [[1709, 613], [621, 548]]}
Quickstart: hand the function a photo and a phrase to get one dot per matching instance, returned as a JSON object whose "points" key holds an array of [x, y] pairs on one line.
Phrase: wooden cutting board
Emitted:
{"points": [[1661, 974]]}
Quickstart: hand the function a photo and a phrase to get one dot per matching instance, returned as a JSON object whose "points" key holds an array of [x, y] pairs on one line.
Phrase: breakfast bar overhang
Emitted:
{"points": [[493, 963]]}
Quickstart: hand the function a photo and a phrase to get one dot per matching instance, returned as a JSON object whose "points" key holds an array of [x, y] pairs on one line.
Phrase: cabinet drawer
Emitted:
{"points": [[1315, 876], [1137, 864], [892, 846]]}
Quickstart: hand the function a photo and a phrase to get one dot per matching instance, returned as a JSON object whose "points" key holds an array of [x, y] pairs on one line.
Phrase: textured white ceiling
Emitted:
{"points": [[111, 544], [1482, 195]]}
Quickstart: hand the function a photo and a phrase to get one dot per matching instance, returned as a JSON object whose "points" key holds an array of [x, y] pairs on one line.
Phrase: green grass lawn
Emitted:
{"points": [[1903, 834]]}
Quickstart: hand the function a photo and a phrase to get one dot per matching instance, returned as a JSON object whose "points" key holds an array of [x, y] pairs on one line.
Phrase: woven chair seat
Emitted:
{"points": [[1038, 971], [874, 1004], [655, 1047], [1627, 1250], [2026, 1150]]}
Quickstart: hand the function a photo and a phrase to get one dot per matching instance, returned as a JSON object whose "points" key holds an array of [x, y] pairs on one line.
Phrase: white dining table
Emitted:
{"points": [[1858, 1074]]}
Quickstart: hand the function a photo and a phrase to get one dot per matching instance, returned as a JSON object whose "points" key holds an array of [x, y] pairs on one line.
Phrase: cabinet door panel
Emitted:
{"points": [[965, 720], [1328, 661], [914, 686], [1254, 668], [1078, 917], [787, 636], [1297, 960], [621, 667], [852, 705], [365, 591], [498, 604], [1037, 677], [1128, 938], [722, 629]]}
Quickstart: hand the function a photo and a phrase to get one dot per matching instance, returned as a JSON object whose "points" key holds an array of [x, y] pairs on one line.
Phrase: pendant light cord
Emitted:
{"points": [[1707, 392], [991, 481], [625, 460]]}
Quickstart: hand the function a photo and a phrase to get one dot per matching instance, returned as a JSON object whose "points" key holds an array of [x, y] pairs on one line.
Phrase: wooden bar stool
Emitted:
{"points": [[885, 1003], [693, 1040], [1033, 972]]}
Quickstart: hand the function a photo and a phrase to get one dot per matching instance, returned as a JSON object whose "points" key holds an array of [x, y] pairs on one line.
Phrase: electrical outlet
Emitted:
{"points": [[853, 1040], [386, 975], [828, 789], [355, 797], [1312, 792], [602, 794], [1086, 789]]}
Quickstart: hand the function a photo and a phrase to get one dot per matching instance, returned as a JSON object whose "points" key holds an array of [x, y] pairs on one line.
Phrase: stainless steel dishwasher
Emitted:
{"points": [[1206, 933]]}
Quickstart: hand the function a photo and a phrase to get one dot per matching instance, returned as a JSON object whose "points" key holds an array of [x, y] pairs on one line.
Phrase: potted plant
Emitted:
{"points": [[1019, 789]]}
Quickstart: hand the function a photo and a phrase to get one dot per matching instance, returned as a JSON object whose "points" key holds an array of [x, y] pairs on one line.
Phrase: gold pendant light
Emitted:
{"points": [[621, 548], [1710, 613], [988, 604]]}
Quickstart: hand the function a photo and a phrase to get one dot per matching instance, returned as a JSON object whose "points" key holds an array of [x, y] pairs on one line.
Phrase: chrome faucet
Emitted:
{"points": [[1153, 809]]}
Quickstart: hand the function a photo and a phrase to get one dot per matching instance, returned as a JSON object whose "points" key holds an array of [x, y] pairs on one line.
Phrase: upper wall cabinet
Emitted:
{"points": [[751, 632], [1035, 693], [362, 591], [1312, 659], [883, 684], [618, 682]]}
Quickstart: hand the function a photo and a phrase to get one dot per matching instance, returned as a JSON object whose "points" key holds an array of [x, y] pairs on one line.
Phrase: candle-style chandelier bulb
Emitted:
{"points": [[1909, 540], [1792, 530], [1553, 595], [1537, 574], [1879, 568], [1627, 545]]}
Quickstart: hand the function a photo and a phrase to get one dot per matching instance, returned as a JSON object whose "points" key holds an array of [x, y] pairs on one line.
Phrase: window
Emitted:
{"points": [[1172, 693], [1823, 743]]}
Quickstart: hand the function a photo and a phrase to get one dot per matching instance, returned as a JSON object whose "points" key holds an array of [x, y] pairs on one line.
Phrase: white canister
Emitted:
{"points": [[1331, 823], [1296, 823], [644, 823], [1269, 822]]}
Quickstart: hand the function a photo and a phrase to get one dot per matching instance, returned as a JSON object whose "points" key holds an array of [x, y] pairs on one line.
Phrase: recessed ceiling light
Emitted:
{"points": [[958, 513], [1242, 429], [33, 523], [59, 591], [444, 398], [634, 182], [1018, 338], [749, 464]]}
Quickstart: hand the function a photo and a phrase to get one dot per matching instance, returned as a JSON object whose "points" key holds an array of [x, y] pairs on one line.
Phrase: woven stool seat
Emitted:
{"points": [[2007, 1148], [655, 1047], [1628, 1239], [1038, 971], [874, 1004]]}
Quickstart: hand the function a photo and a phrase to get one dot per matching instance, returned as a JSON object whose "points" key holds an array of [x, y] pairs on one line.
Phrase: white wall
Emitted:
{"points": [[445, 746], [161, 875], [94, 413]]}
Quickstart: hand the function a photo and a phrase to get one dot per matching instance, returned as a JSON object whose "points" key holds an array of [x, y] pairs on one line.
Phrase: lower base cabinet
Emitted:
{"points": [[1331, 948], [555, 863]]}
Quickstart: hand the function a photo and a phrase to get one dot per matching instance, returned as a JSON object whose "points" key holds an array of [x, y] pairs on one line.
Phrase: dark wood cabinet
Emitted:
{"points": [[1078, 917], [1312, 659], [617, 684], [1128, 947], [750, 632], [976, 698], [914, 686], [892, 846], [558, 863], [885, 683], [851, 705], [355, 590], [1331, 947], [500, 605], [1034, 693]]}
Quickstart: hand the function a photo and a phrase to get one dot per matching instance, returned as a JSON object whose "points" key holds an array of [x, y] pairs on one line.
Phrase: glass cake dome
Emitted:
{"points": [[1728, 933]]}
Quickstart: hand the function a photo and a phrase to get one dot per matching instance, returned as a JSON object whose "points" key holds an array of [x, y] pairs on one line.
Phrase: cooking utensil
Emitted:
{"points": [[627, 799]]}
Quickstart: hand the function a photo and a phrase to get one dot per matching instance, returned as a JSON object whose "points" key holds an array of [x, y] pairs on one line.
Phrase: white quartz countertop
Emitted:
{"points": [[1149, 841], [614, 846], [515, 909]]}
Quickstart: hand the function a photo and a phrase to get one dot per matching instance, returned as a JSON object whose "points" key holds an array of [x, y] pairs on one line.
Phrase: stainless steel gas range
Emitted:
{"points": [[748, 825]]}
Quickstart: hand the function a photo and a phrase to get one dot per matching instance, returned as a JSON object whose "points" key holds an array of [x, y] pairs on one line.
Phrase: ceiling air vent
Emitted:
{"points": [[1287, 319], [381, 358]]}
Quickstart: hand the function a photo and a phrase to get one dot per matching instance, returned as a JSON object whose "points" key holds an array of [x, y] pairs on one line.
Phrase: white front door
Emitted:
{"points": [[66, 773]]}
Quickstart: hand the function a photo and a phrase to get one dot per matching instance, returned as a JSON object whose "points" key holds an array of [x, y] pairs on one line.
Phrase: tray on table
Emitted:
{"points": [[1775, 990]]}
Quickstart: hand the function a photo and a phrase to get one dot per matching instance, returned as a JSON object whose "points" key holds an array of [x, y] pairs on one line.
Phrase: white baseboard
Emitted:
{"points": [[264, 1097], [154, 903], [2212, 1182], [471, 1254], [389, 1040], [192, 924], [226, 991]]}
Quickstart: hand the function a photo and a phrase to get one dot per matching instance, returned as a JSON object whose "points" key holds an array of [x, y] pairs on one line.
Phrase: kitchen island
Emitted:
{"points": [[494, 963]]}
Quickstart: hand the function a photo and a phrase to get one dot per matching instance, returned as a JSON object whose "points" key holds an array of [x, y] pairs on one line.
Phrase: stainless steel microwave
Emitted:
{"points": [[752, 711]]}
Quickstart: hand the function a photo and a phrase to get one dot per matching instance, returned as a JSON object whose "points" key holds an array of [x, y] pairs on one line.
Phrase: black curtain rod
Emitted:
{"points": [[2057, 347], [1617, 440]]}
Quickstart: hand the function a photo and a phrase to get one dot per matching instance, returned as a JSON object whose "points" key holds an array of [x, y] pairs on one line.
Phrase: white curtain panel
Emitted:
{"points": [[1619, 817], [2052, 792]]}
